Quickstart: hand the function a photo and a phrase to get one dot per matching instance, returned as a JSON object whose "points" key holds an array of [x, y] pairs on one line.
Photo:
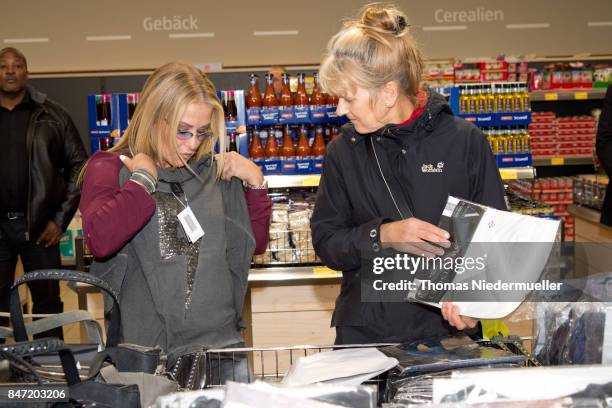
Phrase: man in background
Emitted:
{"points": [[40, 158]]}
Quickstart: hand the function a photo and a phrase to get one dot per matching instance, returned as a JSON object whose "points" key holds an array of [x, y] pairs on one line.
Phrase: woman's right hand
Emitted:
{"points": [[415, 236], [140, 161]]}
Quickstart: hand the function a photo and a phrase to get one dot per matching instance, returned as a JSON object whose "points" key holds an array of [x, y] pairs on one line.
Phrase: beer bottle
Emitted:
{"points": [[98, 109], [233, 147], [318, 145], [508, 98], [256, 150], [269, 99], [472, 100], [286, 99], [271, 151], [287, 150], [301, 97], [526, 102], [253, 99], [499, 98], [332, 100], [463, 99], [231, 115], [131, 105], [490, 105], [303, 148], [105, 110], [317, 98]]}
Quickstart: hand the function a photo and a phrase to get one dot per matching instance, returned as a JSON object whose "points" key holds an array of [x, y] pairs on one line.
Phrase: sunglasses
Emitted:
{"points": [[186, 134]]}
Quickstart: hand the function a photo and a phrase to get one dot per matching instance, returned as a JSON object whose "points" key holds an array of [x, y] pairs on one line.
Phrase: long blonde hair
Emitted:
{"points": [[164, 99], [371, 50]]}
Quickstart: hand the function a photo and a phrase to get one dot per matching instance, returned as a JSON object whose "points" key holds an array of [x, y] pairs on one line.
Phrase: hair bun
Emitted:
{"points": [[381, 18]]}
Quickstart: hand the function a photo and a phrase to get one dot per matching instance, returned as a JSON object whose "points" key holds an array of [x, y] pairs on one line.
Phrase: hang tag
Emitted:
{"points": [[190, 224]]}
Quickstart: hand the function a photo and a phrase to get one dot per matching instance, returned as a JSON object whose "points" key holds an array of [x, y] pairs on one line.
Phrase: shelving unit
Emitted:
{"points": [[312, 180], [562, 161], [568, 95]]}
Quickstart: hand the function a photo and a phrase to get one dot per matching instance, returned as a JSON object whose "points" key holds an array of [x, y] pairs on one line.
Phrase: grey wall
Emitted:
{"points": [[445, 29]]}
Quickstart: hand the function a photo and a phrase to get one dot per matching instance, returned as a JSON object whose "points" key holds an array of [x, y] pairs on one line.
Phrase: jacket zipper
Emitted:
{"points": [[29, 141]]}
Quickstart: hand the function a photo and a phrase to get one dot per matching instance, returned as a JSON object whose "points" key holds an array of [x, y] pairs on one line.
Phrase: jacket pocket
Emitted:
{"points": [[168, 287]]}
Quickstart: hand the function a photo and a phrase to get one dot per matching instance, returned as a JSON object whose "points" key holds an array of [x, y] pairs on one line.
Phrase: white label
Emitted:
{"points": [[451, 203], [190, 224]]}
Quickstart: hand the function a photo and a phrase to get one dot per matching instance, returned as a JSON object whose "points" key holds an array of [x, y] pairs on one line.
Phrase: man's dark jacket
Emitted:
{"points": [[55, 155]]}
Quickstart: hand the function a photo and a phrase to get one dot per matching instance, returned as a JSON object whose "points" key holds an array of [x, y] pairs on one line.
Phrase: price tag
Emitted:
{"points": [[557, 161], [551, 96], [190, 224], [508, 174], [324, 271], [581, 95], [311, 181]]}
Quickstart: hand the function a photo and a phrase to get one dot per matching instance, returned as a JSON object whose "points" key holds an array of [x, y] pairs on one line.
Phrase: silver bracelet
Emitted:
{"points": [[145, 179], [262, 186]]}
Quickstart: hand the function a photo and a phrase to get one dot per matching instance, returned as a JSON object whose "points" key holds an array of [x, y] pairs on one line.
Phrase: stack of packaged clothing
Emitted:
{"points": [[422, 362]]}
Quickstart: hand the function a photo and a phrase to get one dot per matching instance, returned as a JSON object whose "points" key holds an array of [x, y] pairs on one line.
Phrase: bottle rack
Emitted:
{"points": [[108, 118], [498, 105]]}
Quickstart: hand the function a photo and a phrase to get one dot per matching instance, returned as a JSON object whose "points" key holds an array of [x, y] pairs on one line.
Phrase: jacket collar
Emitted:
{"points": [[436, 103], [36, 96]]}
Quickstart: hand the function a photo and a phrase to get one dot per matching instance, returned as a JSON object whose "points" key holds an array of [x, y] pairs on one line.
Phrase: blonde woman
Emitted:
{"points": [[386, 180], [169, 226]]}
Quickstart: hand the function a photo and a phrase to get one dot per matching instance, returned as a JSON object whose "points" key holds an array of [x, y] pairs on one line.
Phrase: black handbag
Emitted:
{"points": [[80, 393], [54, 353]]}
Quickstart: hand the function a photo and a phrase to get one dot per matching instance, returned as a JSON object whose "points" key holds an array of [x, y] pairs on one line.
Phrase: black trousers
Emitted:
{"points": [[45, 295]]}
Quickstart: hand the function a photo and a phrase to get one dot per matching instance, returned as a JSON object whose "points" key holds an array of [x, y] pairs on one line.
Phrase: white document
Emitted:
{"points": [[521, 384], [259, 395], [350, 366], [504, 261]]}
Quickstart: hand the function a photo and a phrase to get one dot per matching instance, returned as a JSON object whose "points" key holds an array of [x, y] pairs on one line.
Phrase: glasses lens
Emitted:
{"points": [[184, 135]]}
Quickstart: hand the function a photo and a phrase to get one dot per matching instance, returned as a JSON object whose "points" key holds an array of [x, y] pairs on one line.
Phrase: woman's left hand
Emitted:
{"points": [[236, 165], [450, 313]]}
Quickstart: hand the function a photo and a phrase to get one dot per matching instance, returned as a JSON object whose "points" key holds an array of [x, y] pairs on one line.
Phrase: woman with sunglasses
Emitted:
{"points": [[169, 225]]}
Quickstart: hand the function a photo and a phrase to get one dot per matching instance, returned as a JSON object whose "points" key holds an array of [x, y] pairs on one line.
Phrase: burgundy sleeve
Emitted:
{"points": [[260, 210], [112, 215]]}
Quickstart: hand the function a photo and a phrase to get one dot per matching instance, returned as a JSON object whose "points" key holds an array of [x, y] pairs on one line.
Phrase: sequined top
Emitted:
{"points": [[172, 239]]}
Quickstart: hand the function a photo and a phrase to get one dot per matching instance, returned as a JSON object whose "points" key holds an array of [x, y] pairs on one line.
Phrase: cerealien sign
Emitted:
{"points": [[476, 15]]}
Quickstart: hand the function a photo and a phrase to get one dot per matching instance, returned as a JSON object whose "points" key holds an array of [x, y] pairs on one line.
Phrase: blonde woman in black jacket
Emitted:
{"points": [[386, 180]]}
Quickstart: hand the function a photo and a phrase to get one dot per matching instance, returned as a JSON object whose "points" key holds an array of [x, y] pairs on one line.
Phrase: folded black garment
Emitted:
{"points": [[432, 355]]}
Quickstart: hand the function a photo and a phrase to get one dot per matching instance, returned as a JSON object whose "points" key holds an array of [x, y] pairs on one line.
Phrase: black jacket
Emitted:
{"points": [[55, 154], [425, 161], [604, 152]]}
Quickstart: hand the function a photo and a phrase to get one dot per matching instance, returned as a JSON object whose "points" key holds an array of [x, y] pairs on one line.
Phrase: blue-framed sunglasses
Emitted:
{"points": [[186, 134]]}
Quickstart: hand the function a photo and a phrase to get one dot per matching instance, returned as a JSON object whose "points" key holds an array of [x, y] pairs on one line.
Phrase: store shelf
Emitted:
{"points": [[562, 161], [312, 180], [517, 173], [568, 95], [294, 275], [306, 180]]}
